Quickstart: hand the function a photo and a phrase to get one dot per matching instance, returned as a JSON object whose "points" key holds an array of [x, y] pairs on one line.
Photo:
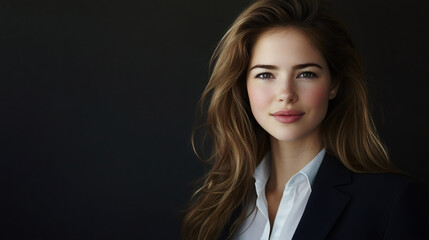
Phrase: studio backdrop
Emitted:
{"points": [[98, 101]]}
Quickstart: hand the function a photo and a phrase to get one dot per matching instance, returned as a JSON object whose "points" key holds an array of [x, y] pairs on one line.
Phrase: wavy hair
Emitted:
{"points": [[348, 131]]}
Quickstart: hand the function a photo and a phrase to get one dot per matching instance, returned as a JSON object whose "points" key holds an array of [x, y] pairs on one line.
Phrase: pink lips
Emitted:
{"points": [[288, 116]]}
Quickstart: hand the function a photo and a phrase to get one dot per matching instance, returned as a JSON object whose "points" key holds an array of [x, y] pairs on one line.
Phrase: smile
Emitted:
{"points": [[289, 116]]}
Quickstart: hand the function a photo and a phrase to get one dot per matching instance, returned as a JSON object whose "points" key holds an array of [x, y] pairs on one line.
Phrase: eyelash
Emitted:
{"points": [[312, 75], [260, 75]]}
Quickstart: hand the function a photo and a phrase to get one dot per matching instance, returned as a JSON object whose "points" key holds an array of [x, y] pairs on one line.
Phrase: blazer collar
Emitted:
{"points": [[326, 202]]}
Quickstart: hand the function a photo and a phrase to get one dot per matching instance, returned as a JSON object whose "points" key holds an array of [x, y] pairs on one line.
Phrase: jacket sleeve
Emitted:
{"points": [[409, 217]]}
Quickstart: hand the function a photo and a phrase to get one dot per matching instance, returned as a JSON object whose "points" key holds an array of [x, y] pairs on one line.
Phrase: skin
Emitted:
{"points": [[287, 72]]}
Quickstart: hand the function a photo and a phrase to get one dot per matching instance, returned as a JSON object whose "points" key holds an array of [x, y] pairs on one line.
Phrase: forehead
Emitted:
{"points": [[285, 45]]}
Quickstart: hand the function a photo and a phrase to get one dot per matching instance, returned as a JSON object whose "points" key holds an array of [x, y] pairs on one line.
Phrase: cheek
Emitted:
{"points": [[258, 96], [317, 96]]}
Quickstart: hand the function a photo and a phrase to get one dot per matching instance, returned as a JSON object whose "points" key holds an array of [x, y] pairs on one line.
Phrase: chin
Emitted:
{"points": [[286, 137], [293, 136]]}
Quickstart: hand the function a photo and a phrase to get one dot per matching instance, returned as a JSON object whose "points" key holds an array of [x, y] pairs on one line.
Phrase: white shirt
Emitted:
{"points": [[292, 205]]}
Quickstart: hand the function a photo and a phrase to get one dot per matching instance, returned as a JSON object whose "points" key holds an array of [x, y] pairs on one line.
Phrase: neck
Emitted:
{"points": [[287, 158]]}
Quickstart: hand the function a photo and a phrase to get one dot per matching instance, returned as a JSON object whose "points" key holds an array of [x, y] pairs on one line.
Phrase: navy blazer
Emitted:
{"points": [[345, 205]]}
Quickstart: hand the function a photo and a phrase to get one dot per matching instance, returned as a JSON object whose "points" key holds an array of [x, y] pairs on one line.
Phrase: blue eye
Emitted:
{"points": [[307, 75], [264, 75]]}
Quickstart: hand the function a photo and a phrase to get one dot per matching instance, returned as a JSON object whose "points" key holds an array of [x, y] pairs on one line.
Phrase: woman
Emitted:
{"points": [[296, 154]]}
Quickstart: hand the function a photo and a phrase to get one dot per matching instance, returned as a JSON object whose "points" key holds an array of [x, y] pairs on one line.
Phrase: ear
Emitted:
{"points": [[333, 91]]}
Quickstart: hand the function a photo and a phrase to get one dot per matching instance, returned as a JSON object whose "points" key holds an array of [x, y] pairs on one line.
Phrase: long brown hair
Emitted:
{"points": [[348, 130]]}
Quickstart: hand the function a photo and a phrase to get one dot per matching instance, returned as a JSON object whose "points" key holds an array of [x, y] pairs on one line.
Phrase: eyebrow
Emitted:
{"points": [[299, 66]]}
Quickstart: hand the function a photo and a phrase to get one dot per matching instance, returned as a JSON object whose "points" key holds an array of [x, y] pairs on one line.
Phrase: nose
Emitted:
{"points": [[287, 92]]}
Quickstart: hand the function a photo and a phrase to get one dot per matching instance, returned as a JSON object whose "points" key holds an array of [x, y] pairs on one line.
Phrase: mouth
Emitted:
{"points": [[289, 116]]}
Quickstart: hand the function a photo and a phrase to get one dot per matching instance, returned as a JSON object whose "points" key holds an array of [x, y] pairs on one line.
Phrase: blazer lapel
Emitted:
{"points": [[326, 202]]}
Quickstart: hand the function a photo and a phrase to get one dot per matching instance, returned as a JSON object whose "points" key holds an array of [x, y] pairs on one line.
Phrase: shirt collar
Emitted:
{"points": [[262, 171]]}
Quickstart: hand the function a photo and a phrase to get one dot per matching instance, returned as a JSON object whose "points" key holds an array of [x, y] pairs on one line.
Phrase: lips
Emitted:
{"points": [[288, 116]]}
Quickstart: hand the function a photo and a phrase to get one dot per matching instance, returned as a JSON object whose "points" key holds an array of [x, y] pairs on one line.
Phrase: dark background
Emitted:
{"points": [[98, 100]]}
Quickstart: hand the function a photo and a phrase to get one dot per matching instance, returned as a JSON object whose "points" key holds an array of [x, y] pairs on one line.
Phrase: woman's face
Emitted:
{"points": [[289, 85]]}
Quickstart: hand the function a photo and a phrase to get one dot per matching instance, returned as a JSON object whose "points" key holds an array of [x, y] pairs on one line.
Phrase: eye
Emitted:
{"points": [[307, 75], [265, 75]]}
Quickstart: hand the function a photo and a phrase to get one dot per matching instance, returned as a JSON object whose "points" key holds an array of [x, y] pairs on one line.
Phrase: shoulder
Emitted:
{"points": [[391, 205], [388, 190], [395, 202], [375, 184], [381, 182], [402, 200], [384, 188], [375, 189]]}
